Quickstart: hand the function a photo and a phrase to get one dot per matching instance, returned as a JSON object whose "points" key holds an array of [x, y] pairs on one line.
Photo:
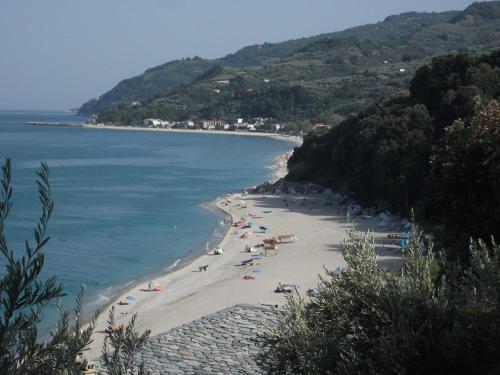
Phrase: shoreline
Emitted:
{"points": [[119, 290], [278, 170], [188, 293], [296, 139], [103, 299]]}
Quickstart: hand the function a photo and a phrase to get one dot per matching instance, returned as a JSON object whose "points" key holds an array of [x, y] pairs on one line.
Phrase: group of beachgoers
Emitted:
{"points": [[244, 228]]}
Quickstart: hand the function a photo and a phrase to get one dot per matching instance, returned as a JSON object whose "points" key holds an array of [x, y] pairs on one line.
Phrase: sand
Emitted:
{"points": [[188, 294], [291, 138]]}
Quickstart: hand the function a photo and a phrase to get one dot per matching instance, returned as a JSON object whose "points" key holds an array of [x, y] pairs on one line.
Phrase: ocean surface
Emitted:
{"points": [[128, 204]]}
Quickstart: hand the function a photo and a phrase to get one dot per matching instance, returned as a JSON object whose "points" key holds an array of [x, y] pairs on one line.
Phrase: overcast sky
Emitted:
{"points": [[56, 54]]}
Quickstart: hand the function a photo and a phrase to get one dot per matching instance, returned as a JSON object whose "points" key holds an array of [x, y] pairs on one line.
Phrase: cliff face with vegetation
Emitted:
{"points": [[323, 78]]}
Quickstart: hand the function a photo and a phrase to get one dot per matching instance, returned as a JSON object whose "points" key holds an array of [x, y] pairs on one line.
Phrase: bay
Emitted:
{"points": [[128, 203]]}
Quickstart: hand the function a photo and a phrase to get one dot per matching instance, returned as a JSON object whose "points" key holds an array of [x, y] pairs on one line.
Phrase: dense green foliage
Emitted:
{"points": [[465, 177], [383, 154], [366, 320], [341, 72], [378, 155], [121, 345], [154, 81], [159, 80]]}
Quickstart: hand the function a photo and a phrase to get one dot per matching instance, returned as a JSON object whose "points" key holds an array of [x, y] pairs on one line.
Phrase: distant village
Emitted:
{"points": [[258, 124]]}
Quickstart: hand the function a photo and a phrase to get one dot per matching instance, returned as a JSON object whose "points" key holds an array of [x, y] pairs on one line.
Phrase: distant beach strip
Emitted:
{"points": [[297, 139]]}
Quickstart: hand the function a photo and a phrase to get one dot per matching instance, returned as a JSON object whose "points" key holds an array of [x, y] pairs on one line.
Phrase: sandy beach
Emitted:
{"points": [[292, 138], [188, 293]]}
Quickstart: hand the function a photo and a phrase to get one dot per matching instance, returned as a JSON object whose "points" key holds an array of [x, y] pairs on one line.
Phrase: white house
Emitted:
{"points": [[156, 123]]}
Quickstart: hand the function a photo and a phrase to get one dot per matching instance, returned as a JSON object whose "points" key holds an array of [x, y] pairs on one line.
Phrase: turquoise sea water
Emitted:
{"points": [[128, 204]]}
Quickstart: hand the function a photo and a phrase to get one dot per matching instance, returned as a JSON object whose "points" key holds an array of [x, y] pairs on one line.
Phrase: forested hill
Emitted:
{"points": [[160, 79], [321, 79], [436, 150]]}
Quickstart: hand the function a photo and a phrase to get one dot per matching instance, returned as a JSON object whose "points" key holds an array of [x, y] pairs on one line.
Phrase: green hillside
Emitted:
{"points": [[325, 78], [160, 79]]}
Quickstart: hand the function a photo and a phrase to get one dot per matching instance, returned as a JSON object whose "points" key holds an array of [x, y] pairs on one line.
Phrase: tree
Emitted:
{"points": [[465, 176], [121, 345], [370, 321], [369, 154], [23, 296]]}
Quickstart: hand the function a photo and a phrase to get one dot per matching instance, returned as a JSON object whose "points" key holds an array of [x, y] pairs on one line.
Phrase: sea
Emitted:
{"points": [[128, 204]]}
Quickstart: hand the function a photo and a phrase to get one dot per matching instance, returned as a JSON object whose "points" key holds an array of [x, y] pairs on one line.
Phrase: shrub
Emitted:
{"points": [[23, 296], [368, 320]]}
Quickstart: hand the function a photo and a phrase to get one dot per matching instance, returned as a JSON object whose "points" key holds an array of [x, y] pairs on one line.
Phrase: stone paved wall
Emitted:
{"points": [[220, 343]]}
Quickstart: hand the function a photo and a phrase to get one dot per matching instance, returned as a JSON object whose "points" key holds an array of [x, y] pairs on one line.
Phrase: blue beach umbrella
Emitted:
{"points": [[131, 298]]}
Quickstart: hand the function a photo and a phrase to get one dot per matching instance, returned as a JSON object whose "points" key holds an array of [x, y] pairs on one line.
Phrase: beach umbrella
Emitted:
{"points": [[250, 223], [263, 227], [153, 285], [131, 298]]}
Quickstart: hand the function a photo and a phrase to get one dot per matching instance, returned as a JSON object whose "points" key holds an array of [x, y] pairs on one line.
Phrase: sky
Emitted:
{"points": [[56, 54]]}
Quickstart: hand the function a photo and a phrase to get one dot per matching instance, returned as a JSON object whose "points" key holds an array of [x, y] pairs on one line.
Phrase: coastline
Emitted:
{"points": [[112, 297], [188, 293], [102, 300], [284, 137], [278, 170]]}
